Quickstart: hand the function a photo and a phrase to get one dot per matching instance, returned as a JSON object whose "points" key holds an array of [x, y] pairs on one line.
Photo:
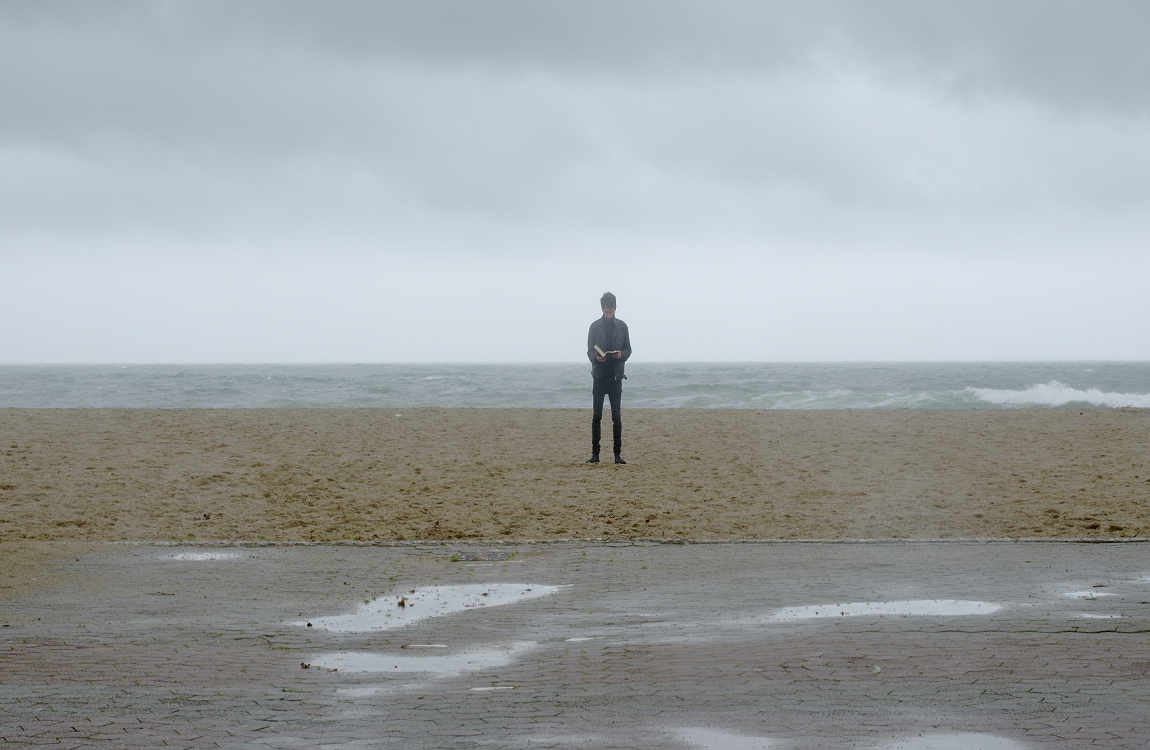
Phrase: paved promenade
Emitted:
{"points": [[923, 646]]}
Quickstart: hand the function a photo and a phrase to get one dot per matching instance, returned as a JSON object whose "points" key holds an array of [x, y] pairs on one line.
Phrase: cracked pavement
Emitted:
{"points": [[788, 645]]}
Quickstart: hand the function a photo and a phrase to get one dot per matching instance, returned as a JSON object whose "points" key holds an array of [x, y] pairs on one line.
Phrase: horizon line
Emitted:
{"points": [[451, 362]]}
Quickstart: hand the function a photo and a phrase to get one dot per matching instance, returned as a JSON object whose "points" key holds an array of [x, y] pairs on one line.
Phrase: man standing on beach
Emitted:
{"points": [[608, 348]]}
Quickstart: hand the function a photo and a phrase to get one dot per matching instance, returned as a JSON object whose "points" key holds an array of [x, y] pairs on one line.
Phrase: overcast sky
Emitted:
{"points": [[459, 181]]}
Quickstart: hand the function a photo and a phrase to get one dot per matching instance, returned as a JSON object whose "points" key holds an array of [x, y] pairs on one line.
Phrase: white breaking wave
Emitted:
{"points": [[1059, 394], [847, 399]]}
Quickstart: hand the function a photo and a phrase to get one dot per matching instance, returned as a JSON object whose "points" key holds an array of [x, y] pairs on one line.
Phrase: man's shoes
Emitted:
{"points": [[619, 459], [594, 458]]}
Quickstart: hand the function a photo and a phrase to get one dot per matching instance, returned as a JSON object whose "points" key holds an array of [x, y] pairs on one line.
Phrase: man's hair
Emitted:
{"points": [[607, 300]]}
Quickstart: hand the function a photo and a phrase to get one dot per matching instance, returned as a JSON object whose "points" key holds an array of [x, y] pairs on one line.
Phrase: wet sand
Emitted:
{"points": [[425, 474]]}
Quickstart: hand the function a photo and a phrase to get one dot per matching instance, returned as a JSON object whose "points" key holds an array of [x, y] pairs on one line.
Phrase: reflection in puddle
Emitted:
{"points": [[959, 741], [908, 608], [717, 739], [1093, 616], [403, 608], [202, 556], [448, 664], [1087, 594]]}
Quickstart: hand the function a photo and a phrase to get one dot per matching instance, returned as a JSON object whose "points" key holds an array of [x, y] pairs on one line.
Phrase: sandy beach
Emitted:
{"points": [[429, 474]]}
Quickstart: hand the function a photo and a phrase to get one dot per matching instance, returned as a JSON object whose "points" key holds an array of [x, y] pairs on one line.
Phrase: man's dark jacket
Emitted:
{"points": [[610, 334]]}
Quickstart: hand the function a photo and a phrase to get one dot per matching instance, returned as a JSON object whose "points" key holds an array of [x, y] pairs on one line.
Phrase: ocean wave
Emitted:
{"points": [[651, 385], [1055, 393], [843, 398], [807, 399]]}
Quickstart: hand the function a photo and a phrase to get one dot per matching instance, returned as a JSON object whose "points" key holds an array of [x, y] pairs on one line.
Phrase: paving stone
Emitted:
{"points": [[132, 649]]}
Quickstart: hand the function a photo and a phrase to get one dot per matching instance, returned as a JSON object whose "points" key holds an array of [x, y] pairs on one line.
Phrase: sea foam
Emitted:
{"points": [[1055, 393]]}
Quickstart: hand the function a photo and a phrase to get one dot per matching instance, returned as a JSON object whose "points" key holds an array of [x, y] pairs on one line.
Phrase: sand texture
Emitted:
{"points": [[374, 474]]}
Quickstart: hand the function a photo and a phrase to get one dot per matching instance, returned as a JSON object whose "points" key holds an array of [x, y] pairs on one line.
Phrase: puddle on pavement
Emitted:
{"points": [[717, 739], [201, 556], [412, 605], [447, 664], [364, 691], [1093, 616], [957, 741], [908, 608], [1088, 595]]}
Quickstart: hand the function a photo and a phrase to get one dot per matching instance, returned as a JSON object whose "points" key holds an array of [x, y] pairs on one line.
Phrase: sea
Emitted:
{"points": [[748, 385]]}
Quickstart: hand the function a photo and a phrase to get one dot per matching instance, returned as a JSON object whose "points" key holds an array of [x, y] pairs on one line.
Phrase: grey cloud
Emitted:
{"points": [[1061, 51], [502, 124], [1058, 49]]}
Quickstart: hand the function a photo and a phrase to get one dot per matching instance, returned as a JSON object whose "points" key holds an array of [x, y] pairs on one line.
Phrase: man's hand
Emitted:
{"points": [[617, 354]]}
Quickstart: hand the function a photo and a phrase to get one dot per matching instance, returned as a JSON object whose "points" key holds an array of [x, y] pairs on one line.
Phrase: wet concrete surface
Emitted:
{"points": [[923, 646]]}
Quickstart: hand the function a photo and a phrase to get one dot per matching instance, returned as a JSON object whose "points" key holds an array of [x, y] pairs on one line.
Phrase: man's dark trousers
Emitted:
{"points": [[613, 388]]}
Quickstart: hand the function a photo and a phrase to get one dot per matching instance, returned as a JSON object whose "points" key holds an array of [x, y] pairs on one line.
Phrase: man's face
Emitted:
{"points": [[608, 312]]}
